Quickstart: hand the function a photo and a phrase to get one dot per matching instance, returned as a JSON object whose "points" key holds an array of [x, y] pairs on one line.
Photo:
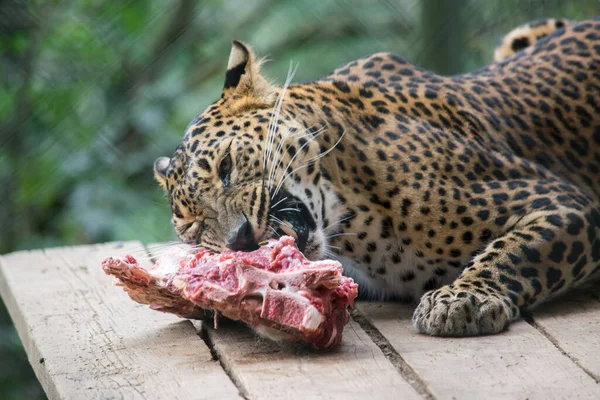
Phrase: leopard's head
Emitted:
{"points": [[246, 170]]}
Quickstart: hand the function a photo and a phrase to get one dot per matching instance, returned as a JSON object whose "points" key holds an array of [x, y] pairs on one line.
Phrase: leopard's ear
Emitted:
{"points": [[160, 171], [243, 81]]}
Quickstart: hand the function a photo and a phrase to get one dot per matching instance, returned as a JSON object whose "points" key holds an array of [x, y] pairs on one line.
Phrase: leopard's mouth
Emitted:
{"points": [[290, 216]]}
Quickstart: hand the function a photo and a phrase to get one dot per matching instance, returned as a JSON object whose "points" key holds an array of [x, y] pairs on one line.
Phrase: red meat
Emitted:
{"points": [[274, 289]]}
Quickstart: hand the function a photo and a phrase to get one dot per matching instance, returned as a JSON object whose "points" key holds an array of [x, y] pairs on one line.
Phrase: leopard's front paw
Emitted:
{"points": [[449, 312]]}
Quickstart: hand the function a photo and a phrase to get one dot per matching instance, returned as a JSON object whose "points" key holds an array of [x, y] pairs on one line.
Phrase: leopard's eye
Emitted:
{"points": [[225, 169]]}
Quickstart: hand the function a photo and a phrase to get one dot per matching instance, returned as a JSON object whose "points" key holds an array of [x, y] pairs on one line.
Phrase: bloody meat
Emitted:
{"points": [[275, 289]]}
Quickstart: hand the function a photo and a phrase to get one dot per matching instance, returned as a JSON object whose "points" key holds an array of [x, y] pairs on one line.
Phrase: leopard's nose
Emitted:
{"points": [[243, 238]]}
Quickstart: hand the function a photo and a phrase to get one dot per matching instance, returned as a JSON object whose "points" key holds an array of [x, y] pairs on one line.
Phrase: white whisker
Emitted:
{"points": [[274, 218], [277, 157], [270, 137], [313, 136], [340, 221], [298, 152], [290, 209], [280, 201], [321, 155]]}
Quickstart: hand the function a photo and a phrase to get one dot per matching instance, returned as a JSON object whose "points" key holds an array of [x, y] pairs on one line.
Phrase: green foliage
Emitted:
{"points": [[92, 91]]}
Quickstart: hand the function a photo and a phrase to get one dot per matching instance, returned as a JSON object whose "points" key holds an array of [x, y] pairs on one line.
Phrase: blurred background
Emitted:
{"points": [[93, 91]]}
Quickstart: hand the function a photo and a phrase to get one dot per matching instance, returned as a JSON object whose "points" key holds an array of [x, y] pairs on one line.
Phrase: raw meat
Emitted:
{"points": [[275, 289]]}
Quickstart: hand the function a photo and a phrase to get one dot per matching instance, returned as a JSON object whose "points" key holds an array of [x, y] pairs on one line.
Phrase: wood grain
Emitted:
{"points": [[262, 369], [573, 324], [356, 369], [518, 364], [87, 340]]}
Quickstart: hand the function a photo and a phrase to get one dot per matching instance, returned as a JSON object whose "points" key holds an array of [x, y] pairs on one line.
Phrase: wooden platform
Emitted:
{"points": [[86, 339]]}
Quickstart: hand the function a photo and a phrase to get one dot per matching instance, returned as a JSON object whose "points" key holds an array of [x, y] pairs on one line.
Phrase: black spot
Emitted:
{"points": [[500, 221], [477, 188], [529, 272], [555, 220], [485, 235], [553, 275], [430, 284], [342, 86], [531, 254], [537, 286], [540, 203], [519, 44], [374, 121], [485, 274], [514, 258], [576, 251], [455, 253], [523, 194], [506, 268], [203, 163], [576, 224], [467, 237], [467, 221], [404, 207], [511, 284], [408, 276], [483, 214]]}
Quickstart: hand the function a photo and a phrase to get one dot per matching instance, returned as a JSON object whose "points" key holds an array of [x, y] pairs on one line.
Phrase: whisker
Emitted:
{"points": [[329, 254], [321, 155], [349, 217], [279, 151], [298, 152], [274, 218], [270, 137], [289, 209], [273, 230], [276, 204], [313, 135]]}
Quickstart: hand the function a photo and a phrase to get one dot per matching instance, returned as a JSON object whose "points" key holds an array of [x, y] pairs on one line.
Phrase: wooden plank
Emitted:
{"points": [[517, 364], [572, 323], [262, 369], [86, 339]]}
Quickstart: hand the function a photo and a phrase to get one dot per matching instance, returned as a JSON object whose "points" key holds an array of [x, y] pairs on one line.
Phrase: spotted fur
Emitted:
{"points": [[526, 35], [476, 193]]}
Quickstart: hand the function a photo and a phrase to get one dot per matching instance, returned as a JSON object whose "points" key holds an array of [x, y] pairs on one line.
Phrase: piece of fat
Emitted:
{"points": [[312, 319]]}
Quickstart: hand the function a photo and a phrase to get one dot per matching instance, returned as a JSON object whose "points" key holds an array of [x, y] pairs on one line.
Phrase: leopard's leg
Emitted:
{"points": [[545, 253], [526, 35]]}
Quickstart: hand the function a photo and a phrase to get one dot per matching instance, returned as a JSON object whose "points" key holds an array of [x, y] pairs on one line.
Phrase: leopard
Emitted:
{"points": [[476, 195]]}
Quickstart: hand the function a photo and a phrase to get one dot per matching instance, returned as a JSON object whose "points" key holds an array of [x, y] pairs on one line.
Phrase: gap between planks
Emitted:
{"points": [[262, 369], [518, 363], [203, 334], [531, 321], [407, 372], [153, 251], [566, 310]]}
